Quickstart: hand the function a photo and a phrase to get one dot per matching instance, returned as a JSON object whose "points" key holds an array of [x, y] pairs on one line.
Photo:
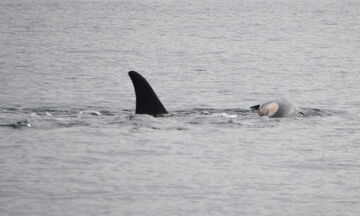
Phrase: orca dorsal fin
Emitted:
{"points": [[146, 100]]}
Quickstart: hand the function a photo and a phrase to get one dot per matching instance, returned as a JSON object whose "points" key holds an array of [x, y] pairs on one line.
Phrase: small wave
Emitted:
{"points": [[313, 112], [228, 112], [89, 113], [18, 124], [72, 124], [224, 115], [51, 111], [10, 146]]}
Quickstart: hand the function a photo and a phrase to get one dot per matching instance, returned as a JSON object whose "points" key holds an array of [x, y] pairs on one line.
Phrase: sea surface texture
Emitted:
{"points": [[64, 71]]}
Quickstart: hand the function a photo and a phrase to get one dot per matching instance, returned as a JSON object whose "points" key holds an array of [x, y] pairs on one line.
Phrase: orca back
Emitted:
{"points": [[146, 100]]}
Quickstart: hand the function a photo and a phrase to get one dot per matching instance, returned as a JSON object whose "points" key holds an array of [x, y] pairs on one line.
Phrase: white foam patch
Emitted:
{"points": [[90, 113], [224, 115]]}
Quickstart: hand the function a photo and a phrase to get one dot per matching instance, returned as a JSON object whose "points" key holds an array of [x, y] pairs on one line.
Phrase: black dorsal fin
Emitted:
{"points": [[146, 100]]}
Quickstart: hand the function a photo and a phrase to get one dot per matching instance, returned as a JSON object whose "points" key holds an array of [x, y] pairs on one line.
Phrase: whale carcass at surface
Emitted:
{"points": [[275, 109]]}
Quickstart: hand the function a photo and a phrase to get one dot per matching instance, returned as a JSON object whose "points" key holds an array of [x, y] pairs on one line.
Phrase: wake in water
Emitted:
{"points": [[149, 104], [47, 118]]}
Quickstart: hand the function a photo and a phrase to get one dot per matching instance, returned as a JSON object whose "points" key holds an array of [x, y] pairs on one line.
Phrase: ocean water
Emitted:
{"points": [[63, 68]]}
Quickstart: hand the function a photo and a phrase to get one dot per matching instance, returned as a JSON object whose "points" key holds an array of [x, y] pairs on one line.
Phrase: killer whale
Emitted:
{"points": [[147, 101]]}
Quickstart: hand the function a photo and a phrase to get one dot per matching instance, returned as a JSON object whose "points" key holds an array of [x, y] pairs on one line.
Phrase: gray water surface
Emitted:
{"points": [[63, 68]]}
